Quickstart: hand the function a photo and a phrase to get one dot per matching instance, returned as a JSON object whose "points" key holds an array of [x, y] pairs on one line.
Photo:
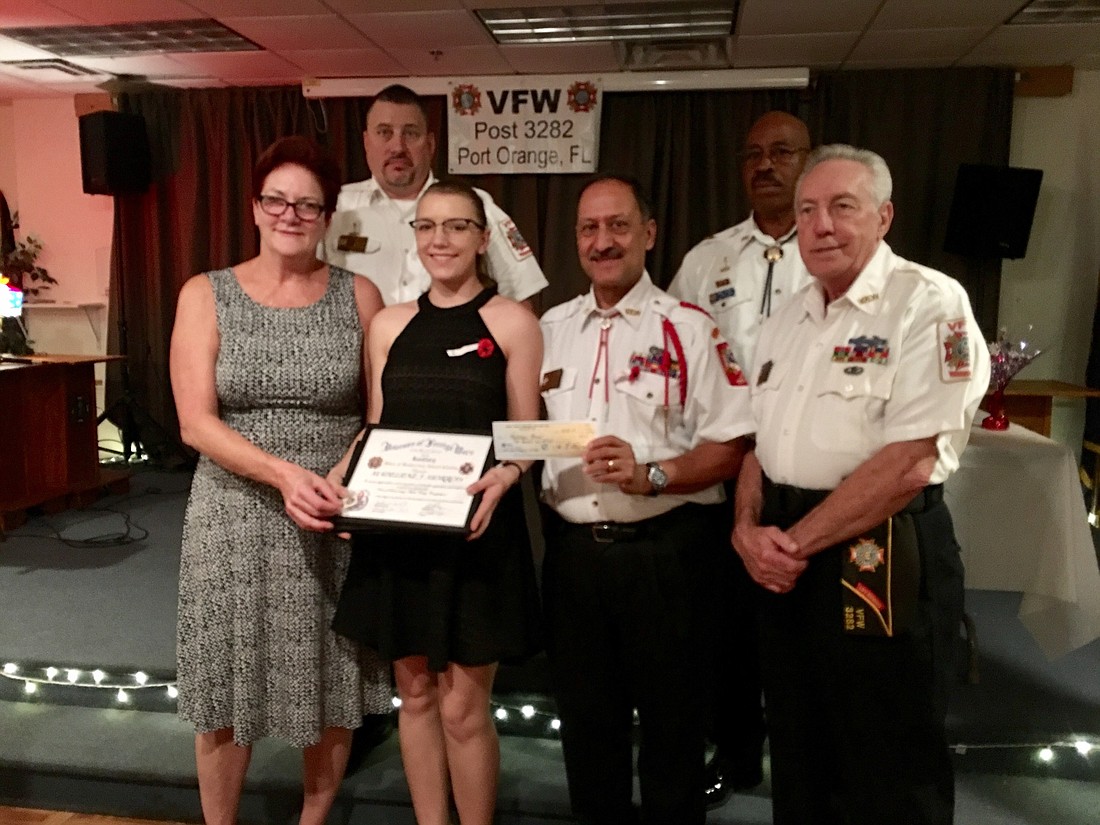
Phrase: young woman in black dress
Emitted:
{"points": [[444, 609]]}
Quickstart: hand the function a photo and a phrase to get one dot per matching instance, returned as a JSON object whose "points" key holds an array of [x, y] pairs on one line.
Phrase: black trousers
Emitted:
{"points": [[624, 622], [856, 723], [736, 723]]}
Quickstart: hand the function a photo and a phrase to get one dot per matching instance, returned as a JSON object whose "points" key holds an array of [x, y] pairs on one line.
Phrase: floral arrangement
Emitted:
{"points": [[1007, 356]]}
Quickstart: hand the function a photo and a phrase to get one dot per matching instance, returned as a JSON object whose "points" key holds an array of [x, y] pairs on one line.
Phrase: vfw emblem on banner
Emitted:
{"points": [[519, 124]]}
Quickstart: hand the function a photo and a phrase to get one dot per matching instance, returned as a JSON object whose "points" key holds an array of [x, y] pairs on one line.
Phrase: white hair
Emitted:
{"points": [[882, 184]]}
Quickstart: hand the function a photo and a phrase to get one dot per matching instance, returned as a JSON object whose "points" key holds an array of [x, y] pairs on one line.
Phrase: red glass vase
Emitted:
{"points": [[996, 420]]}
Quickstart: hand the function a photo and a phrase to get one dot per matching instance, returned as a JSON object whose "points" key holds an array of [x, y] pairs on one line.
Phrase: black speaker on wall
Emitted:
{"points": [[992, 210], [114, 153]]}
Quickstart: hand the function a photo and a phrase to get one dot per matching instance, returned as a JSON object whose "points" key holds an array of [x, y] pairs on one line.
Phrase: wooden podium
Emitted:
{"points": [[48, 442]]}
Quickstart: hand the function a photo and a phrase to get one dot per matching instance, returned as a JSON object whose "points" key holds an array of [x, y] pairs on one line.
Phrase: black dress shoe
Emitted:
{"points": [[724, 776]]}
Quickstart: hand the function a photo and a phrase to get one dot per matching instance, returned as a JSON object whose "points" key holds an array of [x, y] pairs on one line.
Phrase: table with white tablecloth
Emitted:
{"points": [[1021, 522]]}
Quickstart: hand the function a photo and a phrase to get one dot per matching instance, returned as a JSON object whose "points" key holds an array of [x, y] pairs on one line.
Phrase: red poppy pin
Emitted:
{"points": [[485, 347]]}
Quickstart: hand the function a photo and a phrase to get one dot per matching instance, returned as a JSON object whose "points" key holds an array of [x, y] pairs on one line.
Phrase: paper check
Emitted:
{"points": [[536, 440]]}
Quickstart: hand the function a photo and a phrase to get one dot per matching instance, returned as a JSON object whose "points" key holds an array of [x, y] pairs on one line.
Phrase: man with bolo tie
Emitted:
{"points": [[624, 581], [864, 387], [742, 275]]}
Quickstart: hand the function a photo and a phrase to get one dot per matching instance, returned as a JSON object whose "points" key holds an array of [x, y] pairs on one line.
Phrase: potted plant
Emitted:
{"points": [[22, 270], [19, 268]]}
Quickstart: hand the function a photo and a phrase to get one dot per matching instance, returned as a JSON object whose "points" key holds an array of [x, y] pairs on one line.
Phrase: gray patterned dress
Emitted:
{"points": [[255, 651]]}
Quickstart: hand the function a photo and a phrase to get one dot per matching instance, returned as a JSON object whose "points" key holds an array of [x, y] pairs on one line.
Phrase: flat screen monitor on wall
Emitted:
{"points": [[992, 211]]}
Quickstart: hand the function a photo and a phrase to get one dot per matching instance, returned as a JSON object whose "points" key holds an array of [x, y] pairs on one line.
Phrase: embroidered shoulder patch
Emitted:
{"points": [[515, 239], [734, 374], [955, 341]]}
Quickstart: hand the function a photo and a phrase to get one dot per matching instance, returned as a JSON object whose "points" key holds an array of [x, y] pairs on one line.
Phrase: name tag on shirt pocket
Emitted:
{"points": [[352, 243], [557, 381]]}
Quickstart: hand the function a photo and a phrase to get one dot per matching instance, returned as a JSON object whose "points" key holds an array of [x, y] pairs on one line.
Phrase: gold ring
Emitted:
{"points": [[610, 465]]}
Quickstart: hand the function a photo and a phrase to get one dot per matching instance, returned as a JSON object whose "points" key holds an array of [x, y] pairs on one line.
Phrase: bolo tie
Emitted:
{"points": [[772, 254]]}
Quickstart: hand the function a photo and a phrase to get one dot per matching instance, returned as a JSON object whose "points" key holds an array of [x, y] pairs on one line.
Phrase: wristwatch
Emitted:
{"points": [[658, 478]]}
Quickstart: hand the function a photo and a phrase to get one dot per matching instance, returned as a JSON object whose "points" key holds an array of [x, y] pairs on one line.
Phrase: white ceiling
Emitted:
{"points": [[396, 38]]}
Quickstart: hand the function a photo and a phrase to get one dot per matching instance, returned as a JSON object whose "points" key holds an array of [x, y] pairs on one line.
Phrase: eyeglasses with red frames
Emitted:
{"points": [[306, 210]]}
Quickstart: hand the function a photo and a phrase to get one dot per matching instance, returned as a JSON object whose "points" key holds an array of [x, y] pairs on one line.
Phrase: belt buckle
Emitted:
{"points": [[602, 533]]}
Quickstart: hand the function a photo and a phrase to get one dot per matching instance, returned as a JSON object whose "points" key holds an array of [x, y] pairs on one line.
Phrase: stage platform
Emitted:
{"points": [[95, 590]]}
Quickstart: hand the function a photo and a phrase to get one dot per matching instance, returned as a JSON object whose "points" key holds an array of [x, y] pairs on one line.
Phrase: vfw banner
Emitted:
{"points": [[518, 124]]}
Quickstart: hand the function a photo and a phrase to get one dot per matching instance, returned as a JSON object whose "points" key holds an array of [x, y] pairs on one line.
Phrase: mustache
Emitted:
{"points": [[612, 254], [400, 156], [765, 177]]}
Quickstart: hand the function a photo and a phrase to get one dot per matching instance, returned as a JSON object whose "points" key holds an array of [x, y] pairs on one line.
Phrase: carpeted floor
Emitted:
{"points": [[74, 594]]}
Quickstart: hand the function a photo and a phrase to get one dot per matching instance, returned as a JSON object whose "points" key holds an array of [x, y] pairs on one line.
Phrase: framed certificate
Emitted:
{"points": [[402, 480]]}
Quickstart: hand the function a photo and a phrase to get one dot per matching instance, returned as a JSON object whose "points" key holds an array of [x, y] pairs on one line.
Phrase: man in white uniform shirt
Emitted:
{"points": [[864, 390], [370, 232], [624, 580], [742, 275]]}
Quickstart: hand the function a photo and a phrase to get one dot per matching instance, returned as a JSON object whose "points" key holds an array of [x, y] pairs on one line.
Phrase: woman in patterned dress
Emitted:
{"points": [[267, 360], [443, 609]]}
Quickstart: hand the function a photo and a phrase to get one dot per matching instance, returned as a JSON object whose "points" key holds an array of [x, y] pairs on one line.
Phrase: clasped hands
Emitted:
{"points": [[772, 557]]}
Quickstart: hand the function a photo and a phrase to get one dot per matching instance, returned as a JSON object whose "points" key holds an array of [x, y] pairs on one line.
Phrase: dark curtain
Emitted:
{"points": [[195, 216], [925, 122], [681, 145]]}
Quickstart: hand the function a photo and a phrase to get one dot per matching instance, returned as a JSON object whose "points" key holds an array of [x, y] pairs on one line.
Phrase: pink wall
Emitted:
{"points": [[75, 228]]}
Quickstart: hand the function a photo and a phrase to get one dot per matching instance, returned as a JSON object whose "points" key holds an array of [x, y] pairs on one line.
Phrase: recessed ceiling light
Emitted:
{"points": [[155, 37], [632, 21], [1050, 12]]}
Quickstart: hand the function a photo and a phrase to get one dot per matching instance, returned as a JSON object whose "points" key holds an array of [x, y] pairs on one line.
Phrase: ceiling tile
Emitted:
{"points": [[562, 57], [146, 65], [220, 9], [453, 62], [814, 50], [106, 12], [16, 13], [279, 33], [239, 66], [1035, 45], [897, 48], [943, 14], [426, 30], [350, 7], [344, 62], [772, 17]]}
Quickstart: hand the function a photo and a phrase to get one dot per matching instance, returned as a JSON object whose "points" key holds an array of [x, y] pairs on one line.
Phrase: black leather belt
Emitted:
{"points": [[607, 532], [611, 532], [801, 500]]}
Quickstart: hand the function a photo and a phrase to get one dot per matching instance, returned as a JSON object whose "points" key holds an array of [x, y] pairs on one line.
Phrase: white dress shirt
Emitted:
{"points": [[726, 273], [898, 357], [624, 386], [370, 235]]}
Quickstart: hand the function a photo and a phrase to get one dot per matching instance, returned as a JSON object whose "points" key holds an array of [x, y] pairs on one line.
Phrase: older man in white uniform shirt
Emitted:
{"points": [[864, 390], [624, 581], [370, 232]]}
